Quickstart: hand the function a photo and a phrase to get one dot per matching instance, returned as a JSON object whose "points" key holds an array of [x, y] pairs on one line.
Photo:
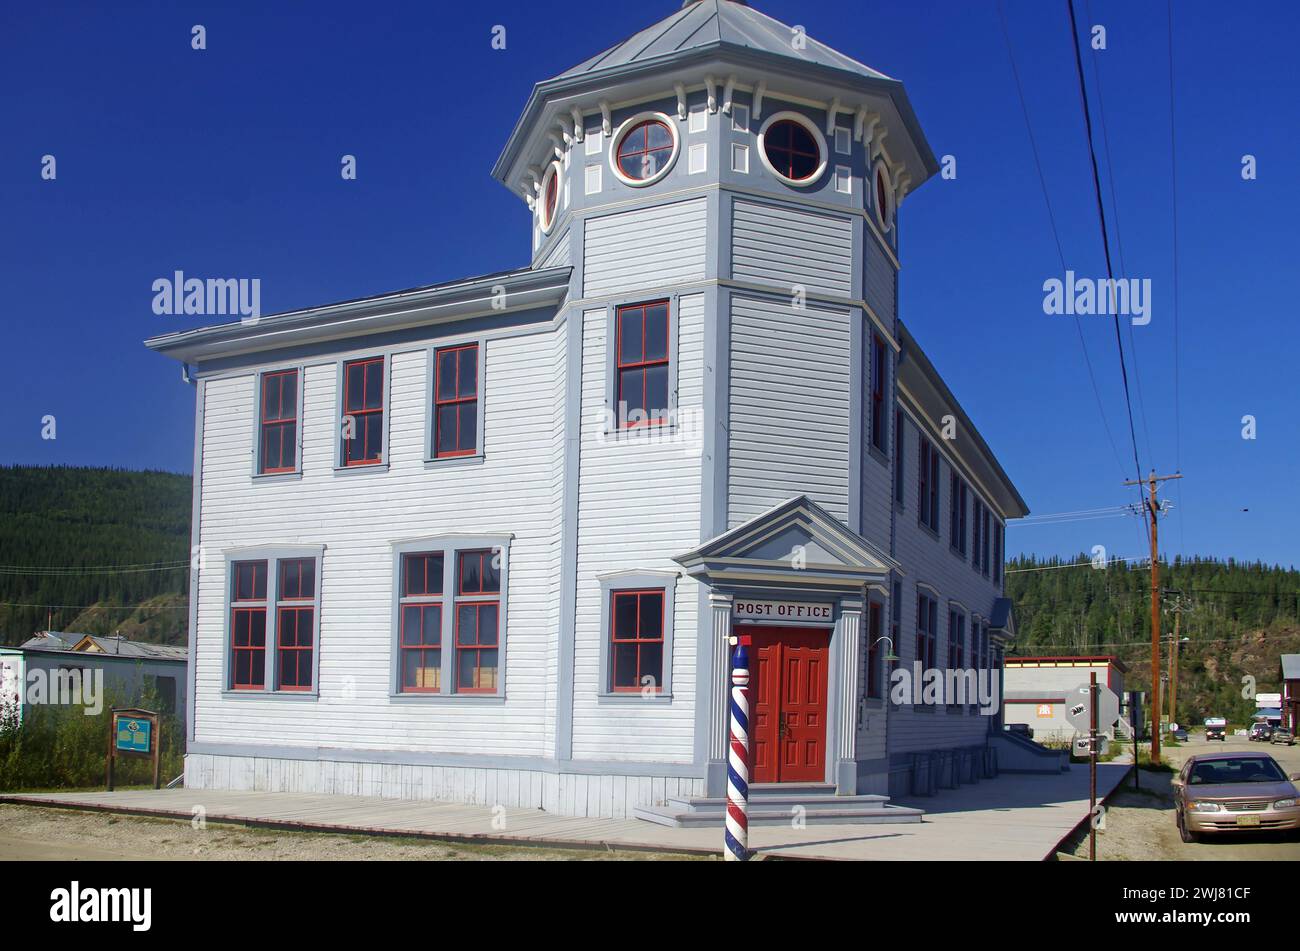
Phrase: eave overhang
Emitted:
{"points": [[500, 293]]}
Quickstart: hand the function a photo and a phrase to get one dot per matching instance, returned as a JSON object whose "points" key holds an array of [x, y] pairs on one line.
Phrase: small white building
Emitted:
{"points": [[1039, 690], [486, 540]]}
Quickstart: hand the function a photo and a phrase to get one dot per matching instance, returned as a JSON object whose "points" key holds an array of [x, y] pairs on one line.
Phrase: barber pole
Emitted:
{"points": [[737, 832]]}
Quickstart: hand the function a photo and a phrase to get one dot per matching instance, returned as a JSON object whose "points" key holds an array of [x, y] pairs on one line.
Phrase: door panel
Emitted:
{"points": [[788, 705]]}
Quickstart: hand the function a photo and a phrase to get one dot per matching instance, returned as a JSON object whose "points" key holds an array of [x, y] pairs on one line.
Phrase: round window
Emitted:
{"points": [[550, 196], [792, 148], [644, 149], [884, 199]]}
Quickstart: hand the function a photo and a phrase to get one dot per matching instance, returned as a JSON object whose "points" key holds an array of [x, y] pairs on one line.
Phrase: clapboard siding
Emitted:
{"points": [[881, 278], [356, 516], [789, 407], [557, 256], [639, 505], [659, 246], [788, 246]]}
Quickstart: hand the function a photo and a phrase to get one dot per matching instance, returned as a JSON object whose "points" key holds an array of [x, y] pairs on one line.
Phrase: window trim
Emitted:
{"points": [[340, 401], [958, 512], [621, 582], [431, 458], [279, 474], [900, 461], [818, 137], [874, 688], [611, 424], [449, 545], [929, 490], [884, 215], [877, 395], [272, 555], [545, 221], [616, 142]]}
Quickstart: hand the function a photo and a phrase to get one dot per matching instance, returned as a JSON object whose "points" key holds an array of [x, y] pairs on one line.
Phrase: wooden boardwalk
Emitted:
{"points": [[1016, 817]]}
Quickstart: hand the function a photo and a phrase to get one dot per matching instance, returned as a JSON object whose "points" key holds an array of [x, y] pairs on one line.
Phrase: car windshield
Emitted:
{"points": [[1220, 772]]}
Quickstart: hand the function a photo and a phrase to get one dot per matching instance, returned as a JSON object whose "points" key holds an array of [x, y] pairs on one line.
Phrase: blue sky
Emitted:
{"points": [[226, 162]]}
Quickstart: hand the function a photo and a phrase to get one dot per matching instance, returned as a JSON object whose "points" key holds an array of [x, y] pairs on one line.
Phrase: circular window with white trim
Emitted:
{"points": [[549, 198], [884, 198], [792, 148], [644, 149]]}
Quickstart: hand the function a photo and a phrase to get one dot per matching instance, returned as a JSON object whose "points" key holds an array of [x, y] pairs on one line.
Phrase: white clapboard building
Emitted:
{"points": [[487, 540]]}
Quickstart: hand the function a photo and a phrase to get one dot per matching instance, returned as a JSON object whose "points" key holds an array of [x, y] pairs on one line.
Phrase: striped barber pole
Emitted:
{"points": [[737, 830]]}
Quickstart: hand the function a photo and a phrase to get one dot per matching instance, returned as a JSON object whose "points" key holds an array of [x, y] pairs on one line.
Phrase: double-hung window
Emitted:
{"points": [[956, 646], [637, 641], [277, 436], [875, 636], [455, 401], [957, 514], [478, 611], [985, 541], [997, 553], [641, 381], [928, 486], [927, 625], [899, 467], [878, 364], [362, 430], [420, 620], [274, 605], [976, 524]]}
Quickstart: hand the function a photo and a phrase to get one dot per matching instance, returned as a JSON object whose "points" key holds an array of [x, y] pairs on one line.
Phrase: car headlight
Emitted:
{"points": [[1205, 807], [1284, 804]]}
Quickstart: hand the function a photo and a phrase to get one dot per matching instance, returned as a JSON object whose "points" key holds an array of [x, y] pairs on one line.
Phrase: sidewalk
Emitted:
{"points": [[1015, 817]]}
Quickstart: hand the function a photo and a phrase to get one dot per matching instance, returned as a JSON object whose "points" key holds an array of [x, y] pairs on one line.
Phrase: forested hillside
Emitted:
{"points": [[1239, 617], [59, 527]]}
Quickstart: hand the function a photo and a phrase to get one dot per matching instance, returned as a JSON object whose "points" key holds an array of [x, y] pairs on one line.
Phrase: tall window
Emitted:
{"points": [[997, 553], [899, 448], [928, 486], [641, 388], [875, 631], [248, 625], [478, 607], [637, 648], [363, 412], [278, 436], [877, 392], [295, 623], [956, 644], [421, 623], [927, 630], [455, 401], [957, 513], [976, 524], [985, 542]]}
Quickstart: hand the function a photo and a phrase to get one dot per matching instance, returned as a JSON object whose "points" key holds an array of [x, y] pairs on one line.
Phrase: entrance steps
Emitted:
{"points": [[779, 804]]}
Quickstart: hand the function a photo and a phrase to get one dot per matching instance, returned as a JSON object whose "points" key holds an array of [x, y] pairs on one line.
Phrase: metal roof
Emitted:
{"points": [[717, 23]]}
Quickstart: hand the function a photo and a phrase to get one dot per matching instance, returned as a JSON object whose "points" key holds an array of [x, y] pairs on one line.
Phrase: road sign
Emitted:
{"points": [[1079, 715]]}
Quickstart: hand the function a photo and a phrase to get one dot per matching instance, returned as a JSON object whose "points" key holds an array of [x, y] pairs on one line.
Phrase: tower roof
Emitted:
{"points": [[716, 24]]}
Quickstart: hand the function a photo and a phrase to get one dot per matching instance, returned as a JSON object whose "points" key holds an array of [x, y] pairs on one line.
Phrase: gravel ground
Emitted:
{"points": [[39, 832]]}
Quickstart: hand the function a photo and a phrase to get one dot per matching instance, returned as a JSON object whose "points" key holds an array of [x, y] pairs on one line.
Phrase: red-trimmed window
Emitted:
{"points": [[363, 412], [295, 623], [927, 633], [877, 392], [641, 387], [792, 150], [478, 608], [645, 149], [637, 641], [248, 625], [421, 620], [550, 199], [278, 437], [455, 401], [928, 486], [875, 633], [900, 470]]}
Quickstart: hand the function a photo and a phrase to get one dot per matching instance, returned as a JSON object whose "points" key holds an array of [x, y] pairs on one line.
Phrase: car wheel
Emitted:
{"points": [[1182, 830]]}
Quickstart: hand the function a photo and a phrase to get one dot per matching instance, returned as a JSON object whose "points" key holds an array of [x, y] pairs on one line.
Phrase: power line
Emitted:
{"points": [[1079, 564], [77, 570], [98, 607]]}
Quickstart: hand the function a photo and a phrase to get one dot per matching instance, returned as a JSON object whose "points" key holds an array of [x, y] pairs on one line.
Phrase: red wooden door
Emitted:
{"points": [[788, 705]]}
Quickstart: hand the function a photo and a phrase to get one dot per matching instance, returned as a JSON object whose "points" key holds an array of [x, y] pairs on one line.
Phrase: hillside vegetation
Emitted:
{"points": [[1241, 617]]}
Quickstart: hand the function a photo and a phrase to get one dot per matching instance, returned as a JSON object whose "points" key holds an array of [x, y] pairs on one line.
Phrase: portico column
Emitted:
{"points": [[850, 631], [720, 609]]}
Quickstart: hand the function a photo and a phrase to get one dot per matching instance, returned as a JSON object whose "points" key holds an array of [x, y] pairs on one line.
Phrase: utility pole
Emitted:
{"points": [[1153, 509], [1178, 604]]}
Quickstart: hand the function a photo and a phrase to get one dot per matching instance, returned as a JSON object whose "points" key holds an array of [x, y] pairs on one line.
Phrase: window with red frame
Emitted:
{"points": [[278, 439], [641, 389], [550, 199], [248, 625], [877, 392], [478, 607], [927, 624], [363, 411], [645, 149], [421, 619], [455, 401], [637, 641], [295, 623], [792, 150], [875, 632]]}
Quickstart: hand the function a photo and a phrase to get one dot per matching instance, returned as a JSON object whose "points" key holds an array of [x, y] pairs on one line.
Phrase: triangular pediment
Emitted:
{"points": [[796, 543]]}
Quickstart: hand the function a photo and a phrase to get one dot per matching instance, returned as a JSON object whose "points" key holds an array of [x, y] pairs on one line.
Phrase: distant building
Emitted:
{"points": [[1290, 677], [131, 669], [1036, 690]]}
